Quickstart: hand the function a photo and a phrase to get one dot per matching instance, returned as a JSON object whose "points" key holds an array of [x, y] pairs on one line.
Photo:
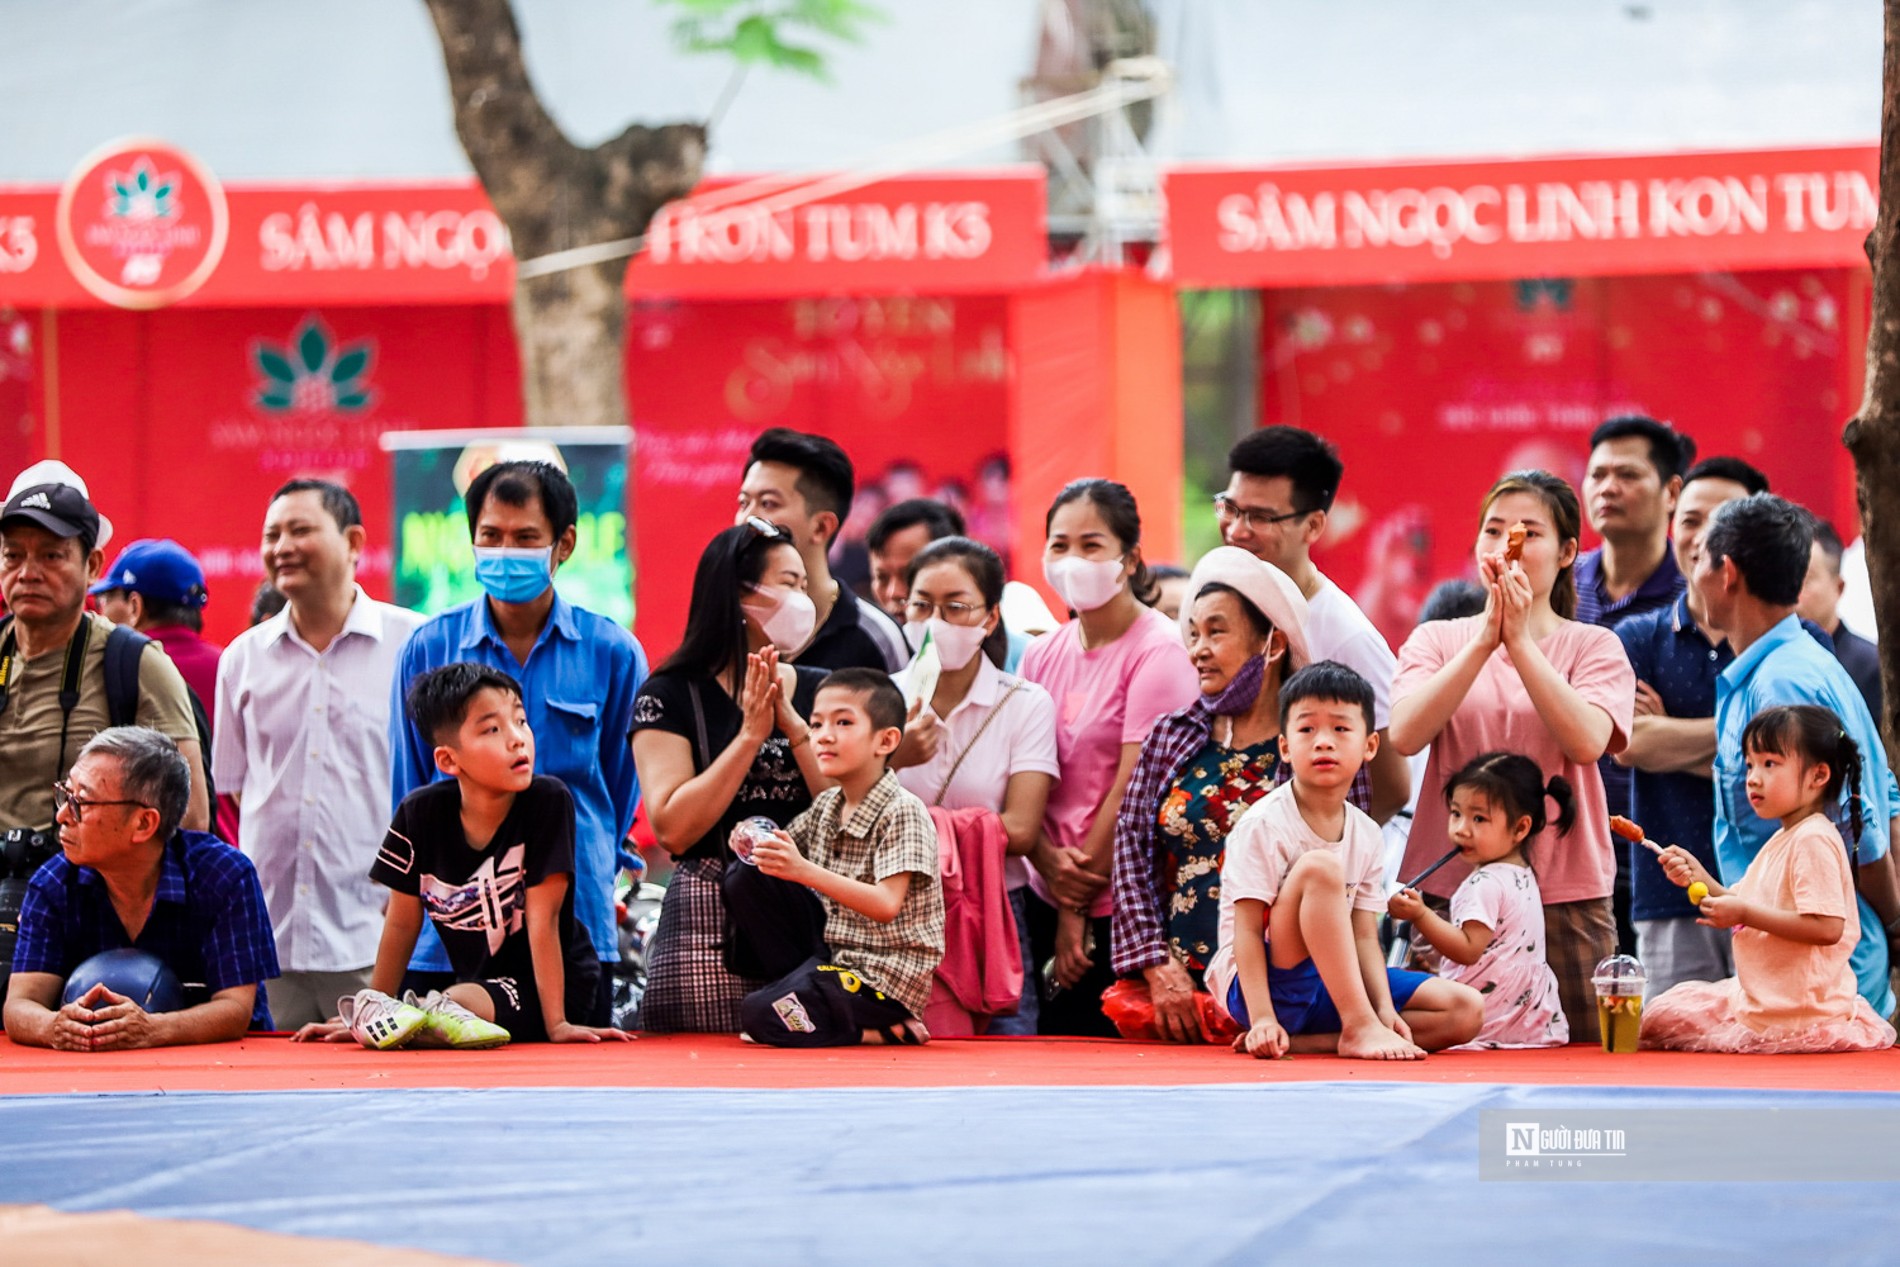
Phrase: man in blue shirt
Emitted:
{"points": [[1677, 654], [127, 876], [578, 672], [1748, 575]]}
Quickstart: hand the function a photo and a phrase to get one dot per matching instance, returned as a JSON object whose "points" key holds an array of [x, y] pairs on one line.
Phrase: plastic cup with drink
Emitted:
{"points": [[1619, 981]]}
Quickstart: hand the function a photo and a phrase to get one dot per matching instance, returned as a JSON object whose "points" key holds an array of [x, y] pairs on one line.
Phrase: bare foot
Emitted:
{"points": [[1376, 1042]]}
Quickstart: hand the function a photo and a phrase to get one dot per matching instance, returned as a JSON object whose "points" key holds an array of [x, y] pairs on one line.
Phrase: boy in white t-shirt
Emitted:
{"points": [[1299, 966]]}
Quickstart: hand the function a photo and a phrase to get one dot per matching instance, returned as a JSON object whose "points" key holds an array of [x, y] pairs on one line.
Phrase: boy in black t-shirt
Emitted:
{"points": [[489, 859]]}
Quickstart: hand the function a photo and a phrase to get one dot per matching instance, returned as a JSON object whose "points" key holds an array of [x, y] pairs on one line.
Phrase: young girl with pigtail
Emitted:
{"points": [[1494, 940], [1793, 912]]}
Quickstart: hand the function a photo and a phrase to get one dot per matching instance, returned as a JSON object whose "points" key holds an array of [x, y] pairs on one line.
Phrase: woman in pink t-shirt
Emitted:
{"points": [[1112, 672], [1523, 677]]}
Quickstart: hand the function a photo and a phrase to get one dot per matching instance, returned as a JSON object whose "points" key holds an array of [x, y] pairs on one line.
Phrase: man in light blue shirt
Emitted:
{"points": [[1748, 573], [578, 672]]}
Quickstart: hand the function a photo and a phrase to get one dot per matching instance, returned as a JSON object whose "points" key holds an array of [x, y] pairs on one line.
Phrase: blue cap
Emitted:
{"points": [[161, 570]]}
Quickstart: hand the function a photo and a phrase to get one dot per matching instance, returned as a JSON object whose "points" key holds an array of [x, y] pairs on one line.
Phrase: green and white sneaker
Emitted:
{"points": [[447, 1023], [379, 1022]]}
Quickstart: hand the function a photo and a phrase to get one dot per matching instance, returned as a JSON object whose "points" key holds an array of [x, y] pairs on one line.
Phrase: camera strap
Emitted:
{"points": [[69, 684]]}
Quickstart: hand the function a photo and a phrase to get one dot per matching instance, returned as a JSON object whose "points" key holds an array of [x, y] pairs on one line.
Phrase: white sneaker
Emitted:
{"points": [[379, 1022], [447, 1023]]}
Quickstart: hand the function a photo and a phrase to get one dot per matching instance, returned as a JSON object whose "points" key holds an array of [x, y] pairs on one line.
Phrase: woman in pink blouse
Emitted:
{"points": [[1522, 676]]}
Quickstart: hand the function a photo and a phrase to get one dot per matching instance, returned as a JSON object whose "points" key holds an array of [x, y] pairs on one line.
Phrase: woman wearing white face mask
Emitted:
{"points": [[1112, 671], [1202, 767], [719, 736], [998, 750]]}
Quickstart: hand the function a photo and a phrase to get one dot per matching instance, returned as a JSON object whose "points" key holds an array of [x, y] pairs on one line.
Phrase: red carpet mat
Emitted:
{"points": [[685, 1061]]}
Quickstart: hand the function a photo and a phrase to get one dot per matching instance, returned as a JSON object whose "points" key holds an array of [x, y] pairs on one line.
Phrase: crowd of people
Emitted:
{"points": [[1212, 805]]}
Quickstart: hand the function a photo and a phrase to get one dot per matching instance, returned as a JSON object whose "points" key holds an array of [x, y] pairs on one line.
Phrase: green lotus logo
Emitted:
{"points": [[311, 374], [142, 194]]}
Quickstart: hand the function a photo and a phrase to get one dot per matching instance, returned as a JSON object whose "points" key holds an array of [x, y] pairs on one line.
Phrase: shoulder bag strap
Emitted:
{"points": [[704, 749], [988, 718]]}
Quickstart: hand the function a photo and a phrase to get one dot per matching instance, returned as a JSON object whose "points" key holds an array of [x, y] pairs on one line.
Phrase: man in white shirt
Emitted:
{"points": [[1280, 487], [301, 740]]}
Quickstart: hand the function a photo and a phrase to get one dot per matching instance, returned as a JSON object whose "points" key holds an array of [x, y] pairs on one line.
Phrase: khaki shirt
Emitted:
{"points": [[30, 722]]}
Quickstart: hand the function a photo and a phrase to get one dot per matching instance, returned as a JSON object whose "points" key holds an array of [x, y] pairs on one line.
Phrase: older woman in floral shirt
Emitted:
{"points": [[1245, 625]]}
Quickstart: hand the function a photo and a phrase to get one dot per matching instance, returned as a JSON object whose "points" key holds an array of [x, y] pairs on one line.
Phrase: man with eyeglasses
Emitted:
{"points": [[1280, 487], [128, 876], [54, 693]]}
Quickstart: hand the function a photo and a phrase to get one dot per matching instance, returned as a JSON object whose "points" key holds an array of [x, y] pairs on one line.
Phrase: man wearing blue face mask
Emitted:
{"points": [[578, 672]]}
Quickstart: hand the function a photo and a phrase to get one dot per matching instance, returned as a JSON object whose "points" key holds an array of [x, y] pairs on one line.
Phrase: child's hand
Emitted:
{"points": [[777, 855], [568, 1032], [1390, 1018], [1407, 905], [1266, 1040], [330, 1031], [1724, 911], [1072, 957], [1682, 868]]}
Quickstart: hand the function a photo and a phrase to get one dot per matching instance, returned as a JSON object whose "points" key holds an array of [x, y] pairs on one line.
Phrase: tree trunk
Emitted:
{"points": [[553, 195], [1874, 436]]}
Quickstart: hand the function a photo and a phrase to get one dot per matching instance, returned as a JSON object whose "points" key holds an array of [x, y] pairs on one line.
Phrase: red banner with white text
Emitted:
{"points": [[106, 240], [1468, 221]]}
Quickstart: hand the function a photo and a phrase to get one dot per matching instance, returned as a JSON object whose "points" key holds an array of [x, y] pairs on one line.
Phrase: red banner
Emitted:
{"points": [[1665, 213], [1432, 392], [444, 244]]}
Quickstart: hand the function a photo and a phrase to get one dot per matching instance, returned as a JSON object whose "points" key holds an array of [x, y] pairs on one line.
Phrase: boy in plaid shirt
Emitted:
{"points": [[844, 907]]}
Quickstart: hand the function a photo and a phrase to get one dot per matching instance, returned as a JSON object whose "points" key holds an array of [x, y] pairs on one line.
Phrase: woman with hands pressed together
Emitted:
{"points": [[1523, 676], [719, 735]]}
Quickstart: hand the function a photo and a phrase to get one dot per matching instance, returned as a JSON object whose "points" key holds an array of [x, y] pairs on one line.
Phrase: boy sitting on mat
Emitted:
{"points": [[1299, 966], [488, 856], [844, 909]]}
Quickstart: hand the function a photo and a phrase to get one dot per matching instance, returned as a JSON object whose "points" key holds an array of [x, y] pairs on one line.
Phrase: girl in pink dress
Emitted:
{"points": [[1793, 911], [1494, 940]]}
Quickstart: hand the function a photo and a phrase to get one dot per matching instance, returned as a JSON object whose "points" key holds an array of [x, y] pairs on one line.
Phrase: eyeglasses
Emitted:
{"points": [[64, 797], [917, 611], [1227, 510]]}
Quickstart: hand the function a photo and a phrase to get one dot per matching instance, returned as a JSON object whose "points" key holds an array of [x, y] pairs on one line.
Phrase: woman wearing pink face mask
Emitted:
{"points": [[998, 750], [719, 736], [1112, 671]]}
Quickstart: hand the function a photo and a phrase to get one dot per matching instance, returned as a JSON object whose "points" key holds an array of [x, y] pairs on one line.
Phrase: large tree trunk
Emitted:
{"points": [[554, 195], [1874, 436]]}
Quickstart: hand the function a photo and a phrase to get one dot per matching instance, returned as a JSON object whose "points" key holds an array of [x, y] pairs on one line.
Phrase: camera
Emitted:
{"points": [[23, 850]]}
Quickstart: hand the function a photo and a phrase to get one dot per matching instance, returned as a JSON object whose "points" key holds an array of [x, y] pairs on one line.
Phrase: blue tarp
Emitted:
{"points": [[1357, 1173]]}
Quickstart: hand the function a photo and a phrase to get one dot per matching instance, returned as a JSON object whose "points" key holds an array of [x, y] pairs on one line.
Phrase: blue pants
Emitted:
{"points": [[1300, 1001]]}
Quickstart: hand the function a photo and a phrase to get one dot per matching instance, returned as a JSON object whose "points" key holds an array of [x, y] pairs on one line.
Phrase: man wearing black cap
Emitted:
{"points": [[52, 659]]}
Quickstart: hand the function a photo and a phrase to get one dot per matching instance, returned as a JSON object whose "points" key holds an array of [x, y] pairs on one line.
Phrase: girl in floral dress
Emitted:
{"points": [[1494, 939]]}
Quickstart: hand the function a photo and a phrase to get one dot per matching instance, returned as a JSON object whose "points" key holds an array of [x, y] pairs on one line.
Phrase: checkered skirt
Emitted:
{"points": [[689, 989]]}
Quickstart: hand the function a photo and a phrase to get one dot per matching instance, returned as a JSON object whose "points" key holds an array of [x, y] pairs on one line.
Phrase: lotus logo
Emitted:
{"points": [[142, 194], [311, 374]]}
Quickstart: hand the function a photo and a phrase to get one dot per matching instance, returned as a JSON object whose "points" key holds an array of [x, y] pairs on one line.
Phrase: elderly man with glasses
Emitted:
{"points": [[128, 876]]}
